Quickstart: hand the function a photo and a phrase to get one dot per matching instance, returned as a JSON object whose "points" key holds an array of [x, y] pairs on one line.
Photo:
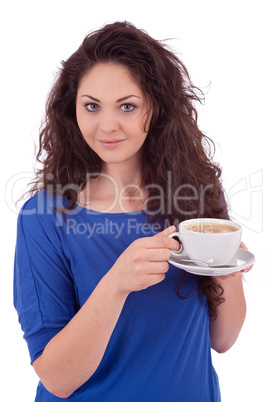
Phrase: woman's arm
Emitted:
{"points": [[230, 314], [74, 354]]}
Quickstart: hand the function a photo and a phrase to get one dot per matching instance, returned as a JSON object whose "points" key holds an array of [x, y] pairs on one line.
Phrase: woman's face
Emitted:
{"points": [[111, 111]]}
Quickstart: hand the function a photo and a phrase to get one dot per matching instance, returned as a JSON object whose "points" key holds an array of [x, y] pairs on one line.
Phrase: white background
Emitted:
{"points": [[224, 46]]}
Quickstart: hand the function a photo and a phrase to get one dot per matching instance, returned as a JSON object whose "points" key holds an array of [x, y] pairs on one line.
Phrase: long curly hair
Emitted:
{"points": [[176, 155]]}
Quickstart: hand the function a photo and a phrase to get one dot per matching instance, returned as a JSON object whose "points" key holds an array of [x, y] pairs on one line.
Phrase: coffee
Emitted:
{"points": [[210, 227]]}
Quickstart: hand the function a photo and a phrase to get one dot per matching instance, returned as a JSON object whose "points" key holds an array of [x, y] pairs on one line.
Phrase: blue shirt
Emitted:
{"points": [[160, 348]]}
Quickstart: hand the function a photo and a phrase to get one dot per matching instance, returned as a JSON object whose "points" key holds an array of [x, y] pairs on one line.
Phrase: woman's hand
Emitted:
{"points": [[242, 245], [144, 262]]}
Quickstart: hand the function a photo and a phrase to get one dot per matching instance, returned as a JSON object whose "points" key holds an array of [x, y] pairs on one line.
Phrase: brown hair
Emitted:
{"points": [[177, 156]]}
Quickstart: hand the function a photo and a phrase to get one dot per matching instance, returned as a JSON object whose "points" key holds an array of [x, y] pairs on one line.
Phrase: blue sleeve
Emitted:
{"points": [[44, 295]]}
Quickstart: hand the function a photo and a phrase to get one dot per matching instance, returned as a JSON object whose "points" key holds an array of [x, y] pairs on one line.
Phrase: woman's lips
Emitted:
{"points": [[111, 144]]}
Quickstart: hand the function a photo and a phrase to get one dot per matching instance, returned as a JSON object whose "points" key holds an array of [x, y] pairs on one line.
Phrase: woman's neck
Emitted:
{"points": [[122, 179], [116, 189]]}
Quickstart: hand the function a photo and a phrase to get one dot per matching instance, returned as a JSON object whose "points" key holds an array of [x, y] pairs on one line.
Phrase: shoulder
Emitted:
{"points": [[41, 211], [43, 203]]}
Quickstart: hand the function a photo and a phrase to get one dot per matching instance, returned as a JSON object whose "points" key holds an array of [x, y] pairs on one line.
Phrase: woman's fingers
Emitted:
{"points": [[144, 262], [243, 246], [166, 232], [158, 242]]}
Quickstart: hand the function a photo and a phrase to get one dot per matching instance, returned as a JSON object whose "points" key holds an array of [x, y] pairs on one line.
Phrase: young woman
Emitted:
{"points": [[106, 318]]}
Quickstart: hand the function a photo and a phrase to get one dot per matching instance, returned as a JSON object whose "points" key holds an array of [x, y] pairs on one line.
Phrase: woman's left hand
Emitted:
{"points": [[242, 245]]}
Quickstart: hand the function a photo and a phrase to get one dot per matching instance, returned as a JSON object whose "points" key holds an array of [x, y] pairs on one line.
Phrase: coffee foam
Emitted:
{"points": [[211, 227]]}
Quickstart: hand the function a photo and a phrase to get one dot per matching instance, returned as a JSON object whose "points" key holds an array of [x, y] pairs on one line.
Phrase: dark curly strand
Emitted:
{"points": [[176, 154]]}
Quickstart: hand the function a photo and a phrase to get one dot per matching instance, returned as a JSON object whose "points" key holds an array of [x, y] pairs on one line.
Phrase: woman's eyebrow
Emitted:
{"points": [[126, 97], [91, 97], [119, 100]]}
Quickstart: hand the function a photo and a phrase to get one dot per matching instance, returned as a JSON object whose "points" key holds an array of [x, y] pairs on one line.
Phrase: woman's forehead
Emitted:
{"points": [[104, 77]]}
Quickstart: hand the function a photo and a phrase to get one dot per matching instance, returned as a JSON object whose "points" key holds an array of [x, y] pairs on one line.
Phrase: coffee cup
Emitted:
{"points": [[213, 241]]}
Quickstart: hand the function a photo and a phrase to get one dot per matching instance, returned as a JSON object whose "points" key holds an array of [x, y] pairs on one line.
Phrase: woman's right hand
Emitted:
{"points": [[144, 262]]}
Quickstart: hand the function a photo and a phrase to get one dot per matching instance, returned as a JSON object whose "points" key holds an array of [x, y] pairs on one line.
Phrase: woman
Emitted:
{"points": [[123, 160]]}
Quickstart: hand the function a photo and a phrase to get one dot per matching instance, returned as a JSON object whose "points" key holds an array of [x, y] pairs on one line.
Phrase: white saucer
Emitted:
{"points": [[242, 260]]}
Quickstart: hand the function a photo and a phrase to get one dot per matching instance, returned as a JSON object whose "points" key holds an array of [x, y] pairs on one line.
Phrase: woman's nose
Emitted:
{"points": [[108, 123]]}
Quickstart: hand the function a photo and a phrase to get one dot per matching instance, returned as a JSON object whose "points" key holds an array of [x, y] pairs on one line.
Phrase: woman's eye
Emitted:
{"points": [[128, 107], [92, 107]]}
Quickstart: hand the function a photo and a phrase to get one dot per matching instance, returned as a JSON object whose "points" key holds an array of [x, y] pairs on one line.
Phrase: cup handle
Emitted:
{"points": [[175, 253]]}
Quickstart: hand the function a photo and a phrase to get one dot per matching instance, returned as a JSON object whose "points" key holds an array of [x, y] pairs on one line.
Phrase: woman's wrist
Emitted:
{"points": [[113, 281]]}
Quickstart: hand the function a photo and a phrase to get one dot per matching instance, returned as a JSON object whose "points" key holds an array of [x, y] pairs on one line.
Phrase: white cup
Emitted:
{"points": [[210, 246]]}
